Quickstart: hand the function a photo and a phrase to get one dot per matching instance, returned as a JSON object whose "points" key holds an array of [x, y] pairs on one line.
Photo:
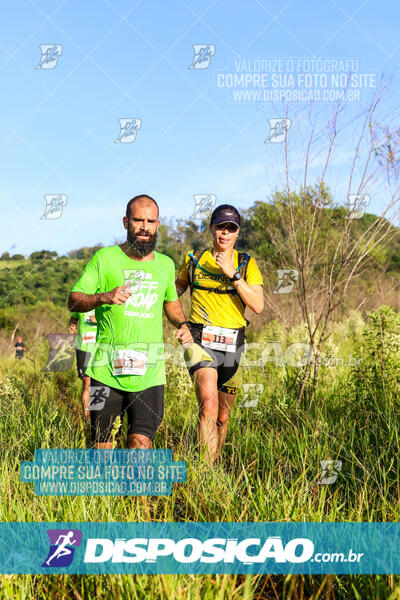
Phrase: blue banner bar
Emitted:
{"points": [[195, 548]]}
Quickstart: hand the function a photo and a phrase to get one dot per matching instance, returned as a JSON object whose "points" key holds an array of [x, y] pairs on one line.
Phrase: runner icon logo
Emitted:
{"points": [[62, 547], [142, 289], [358, 204], [202, 56], [286, 280], [61, 352], [330, 471], [204, 204], [128, 130], [251, 394], [98, 396], [278, 130], [135, 278], [50, 54], [55, 204]]}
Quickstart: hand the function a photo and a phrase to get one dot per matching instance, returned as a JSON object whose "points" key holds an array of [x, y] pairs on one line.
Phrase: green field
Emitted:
{"points": [[269, 470]]}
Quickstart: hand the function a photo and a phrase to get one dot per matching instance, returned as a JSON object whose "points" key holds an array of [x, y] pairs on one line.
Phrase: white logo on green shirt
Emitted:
{"points": [[142, 290]]}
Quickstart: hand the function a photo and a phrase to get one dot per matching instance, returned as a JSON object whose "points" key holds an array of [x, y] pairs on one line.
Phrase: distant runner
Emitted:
{"points": [[85, 325], [222, 283], [19, 348], [129, 286]]}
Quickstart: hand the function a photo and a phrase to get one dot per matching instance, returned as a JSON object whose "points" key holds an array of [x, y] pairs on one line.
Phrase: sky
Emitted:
{"points": [[141, 97]]}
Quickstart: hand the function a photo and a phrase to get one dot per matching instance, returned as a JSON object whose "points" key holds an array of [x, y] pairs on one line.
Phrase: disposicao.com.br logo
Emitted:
{"points": [[189, 548], [214, 550]]}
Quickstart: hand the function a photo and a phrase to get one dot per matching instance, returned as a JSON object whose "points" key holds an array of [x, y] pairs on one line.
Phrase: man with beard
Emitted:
{"points": [[128, 286]]}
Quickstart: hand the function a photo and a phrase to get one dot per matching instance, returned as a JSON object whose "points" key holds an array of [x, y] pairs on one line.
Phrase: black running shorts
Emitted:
{"points": [[82, 361], [145, 410], [226, 363]]}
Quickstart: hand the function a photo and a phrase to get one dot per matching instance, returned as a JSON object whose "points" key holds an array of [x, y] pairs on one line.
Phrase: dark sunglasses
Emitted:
{"points": [[231, 227]]}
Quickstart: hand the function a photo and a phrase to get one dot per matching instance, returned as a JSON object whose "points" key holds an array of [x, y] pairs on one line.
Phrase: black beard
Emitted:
{"points": [[141, 248]]}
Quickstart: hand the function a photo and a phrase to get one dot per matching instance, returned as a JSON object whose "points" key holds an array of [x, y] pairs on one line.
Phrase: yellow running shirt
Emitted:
{"points": [[221, 310]]}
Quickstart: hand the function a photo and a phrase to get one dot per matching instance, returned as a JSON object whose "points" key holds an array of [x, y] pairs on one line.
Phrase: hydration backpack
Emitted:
{"points": [[243, 261]]}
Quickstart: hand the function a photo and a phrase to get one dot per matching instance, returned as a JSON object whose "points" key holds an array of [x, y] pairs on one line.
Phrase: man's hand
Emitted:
{"points": [[225, 263], [73, 325], [184, 336], [118, 295]]}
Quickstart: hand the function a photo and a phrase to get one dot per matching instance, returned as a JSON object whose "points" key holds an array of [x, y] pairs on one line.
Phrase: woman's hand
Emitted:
{"points": [[225, 263]]}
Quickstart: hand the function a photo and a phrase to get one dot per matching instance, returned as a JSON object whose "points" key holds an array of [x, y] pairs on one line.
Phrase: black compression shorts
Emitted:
{"points": [[226, 363], [145, 410], [82, 361]]}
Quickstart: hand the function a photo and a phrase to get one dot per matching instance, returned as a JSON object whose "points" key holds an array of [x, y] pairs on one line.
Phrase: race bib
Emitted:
{"points": [[89, 337], [130, 362], [219, 338]]}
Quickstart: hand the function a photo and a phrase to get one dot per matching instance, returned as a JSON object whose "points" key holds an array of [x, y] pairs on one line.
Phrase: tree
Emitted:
{"points": [[43, 254], [85, 252], [324, 247], [17, 257]]}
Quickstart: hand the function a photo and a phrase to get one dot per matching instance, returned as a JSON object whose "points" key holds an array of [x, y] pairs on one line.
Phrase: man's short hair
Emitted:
{"points": [[139, 199]]}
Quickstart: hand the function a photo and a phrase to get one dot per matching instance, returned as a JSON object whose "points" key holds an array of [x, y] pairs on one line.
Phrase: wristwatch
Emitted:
{"points": [[235, 277]]}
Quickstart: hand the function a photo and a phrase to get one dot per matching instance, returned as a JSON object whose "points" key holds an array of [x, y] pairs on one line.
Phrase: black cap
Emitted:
{"points": [[225, 213]]}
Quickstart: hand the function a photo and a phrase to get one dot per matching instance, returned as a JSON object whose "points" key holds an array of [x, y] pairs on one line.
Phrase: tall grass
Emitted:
{"points": [[269, 469]]}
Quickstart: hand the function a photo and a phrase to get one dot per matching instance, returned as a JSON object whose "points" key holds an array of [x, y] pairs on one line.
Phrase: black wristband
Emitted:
{"points": [[183, 323], [236, 277]]}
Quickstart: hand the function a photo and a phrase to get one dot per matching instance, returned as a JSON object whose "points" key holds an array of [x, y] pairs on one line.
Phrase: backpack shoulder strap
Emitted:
{"points": [[195, 257], [243, 261]]}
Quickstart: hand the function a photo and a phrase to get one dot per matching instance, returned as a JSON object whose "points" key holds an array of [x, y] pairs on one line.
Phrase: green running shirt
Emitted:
{"points": [[136, 324], [86, 331]]}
